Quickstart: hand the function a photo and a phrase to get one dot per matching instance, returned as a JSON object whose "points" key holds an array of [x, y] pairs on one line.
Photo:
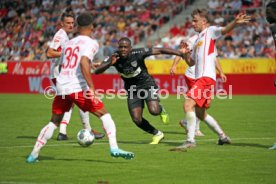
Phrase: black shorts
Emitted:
{"points": [[139, 97]]}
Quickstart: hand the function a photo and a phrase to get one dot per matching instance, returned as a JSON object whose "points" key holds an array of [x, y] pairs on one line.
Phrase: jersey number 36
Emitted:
{"points": [[71, 57]]}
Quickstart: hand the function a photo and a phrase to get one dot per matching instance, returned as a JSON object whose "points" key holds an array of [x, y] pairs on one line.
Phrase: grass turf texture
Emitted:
{"points": [[248, 120]]}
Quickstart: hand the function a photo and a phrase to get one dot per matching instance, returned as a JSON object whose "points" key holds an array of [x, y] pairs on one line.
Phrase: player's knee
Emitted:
{"points": [[56, 119], [137, 120], [200, 116], [188, 107], [154, 111]]}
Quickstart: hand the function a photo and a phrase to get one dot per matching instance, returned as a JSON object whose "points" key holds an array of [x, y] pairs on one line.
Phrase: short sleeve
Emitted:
{"points": [[90, 50], [58, 41], [215, 32], [145, 52]]}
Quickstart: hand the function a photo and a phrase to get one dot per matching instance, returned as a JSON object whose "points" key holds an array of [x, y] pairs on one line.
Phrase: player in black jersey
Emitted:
{"points": [[140, 86], [271, 18]]}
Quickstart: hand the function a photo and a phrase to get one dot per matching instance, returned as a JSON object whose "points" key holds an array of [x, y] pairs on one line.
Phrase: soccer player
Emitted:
{"points": [[203, 56], [140, 86], [54, 52], [271, 18], [190, 79], [74, 85]]}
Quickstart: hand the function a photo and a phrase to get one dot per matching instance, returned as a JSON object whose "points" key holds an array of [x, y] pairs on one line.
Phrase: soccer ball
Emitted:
{"points": [[85, 138]]}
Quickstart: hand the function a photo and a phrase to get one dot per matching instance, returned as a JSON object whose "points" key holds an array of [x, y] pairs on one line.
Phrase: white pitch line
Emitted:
{"points": [[101, 143]]}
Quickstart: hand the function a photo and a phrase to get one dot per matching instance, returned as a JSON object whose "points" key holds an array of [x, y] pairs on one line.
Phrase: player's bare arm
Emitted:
{"points": [[52, 53], [85, 69], [106, 64], [221, 73], [239, 19], [157, 51], [187, 56], [175, 62]]}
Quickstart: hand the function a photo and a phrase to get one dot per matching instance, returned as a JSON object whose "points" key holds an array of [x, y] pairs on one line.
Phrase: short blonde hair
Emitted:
{"points": [[202, 13]]}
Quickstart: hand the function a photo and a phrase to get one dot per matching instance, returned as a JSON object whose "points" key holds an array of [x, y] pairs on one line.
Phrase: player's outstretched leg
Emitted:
{"points": [[110, 129], [45, 134], [213, 124], [142, 123]]}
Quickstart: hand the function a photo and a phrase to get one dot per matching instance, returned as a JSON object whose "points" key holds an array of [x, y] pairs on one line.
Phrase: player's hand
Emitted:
{"points": [[95, 65], [92, 94], [223, 77], [183, 44], [173, 70], [242, 18], [114, 58]]}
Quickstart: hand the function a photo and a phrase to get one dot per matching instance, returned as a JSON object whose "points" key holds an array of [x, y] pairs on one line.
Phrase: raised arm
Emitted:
{"points": [[239, 19], [157, 51], [106, 64], [184, 53]]}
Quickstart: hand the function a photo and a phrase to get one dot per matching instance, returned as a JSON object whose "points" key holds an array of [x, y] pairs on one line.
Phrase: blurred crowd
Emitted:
{"points": [[247, 41], [27, 26]]}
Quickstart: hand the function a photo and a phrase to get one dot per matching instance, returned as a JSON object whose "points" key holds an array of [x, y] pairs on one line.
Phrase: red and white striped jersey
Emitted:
{"points": [[58, 42], [204, 52], [190, 71]]}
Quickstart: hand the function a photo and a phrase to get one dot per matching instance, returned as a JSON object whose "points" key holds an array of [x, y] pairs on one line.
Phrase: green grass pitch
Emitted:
{"points": [[249, 120]]}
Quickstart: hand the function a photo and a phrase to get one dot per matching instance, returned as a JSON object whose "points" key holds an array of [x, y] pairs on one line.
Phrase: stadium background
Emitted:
{"points": [[246, 54]]}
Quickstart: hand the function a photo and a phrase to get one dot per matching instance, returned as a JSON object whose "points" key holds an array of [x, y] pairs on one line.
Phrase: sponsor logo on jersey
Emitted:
{"points": [[133, 74], [134, 63]]}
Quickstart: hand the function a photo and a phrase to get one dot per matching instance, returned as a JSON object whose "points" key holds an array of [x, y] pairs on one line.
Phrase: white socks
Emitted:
{"points": [[191, 126], [45, 134], [65, 121], [213, 124], [110, 130], [197, 124], [85, 120]]}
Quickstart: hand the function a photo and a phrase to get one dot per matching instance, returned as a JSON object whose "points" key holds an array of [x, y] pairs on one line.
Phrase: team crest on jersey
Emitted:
{"points": [[134, 63], [199, 44]]}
